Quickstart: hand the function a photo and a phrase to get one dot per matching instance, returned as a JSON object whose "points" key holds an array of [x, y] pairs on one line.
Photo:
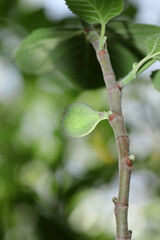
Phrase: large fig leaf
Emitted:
{"points": [[46, 50], [36, 53]]}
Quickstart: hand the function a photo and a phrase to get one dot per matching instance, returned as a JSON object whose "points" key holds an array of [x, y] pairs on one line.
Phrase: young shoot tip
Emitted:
{"points": [[132, 157]]}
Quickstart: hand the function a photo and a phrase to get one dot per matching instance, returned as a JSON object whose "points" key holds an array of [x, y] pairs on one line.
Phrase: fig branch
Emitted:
{"points": [[122, 140]]}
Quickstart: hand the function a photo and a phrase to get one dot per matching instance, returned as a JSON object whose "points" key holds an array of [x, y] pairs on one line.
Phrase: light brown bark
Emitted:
{"points": [[122, 140]]}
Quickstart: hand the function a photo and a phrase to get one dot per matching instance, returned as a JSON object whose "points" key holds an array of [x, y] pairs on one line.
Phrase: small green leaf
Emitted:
{"points": [[79, 119], [153, 46], [155, 77], [96, 11]]}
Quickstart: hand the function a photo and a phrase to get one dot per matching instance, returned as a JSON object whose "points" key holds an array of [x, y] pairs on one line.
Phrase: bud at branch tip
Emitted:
{"points": [[132, 157]]}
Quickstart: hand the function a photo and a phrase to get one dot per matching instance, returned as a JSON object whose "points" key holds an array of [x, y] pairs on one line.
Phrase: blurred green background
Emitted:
{"points": [[56, 187]]}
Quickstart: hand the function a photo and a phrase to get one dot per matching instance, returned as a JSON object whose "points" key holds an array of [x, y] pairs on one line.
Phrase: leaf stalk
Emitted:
{"points": [[102, 37], [137, 70]]}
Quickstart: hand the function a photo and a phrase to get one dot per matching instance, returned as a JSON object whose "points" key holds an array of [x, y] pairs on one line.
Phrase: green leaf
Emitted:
{"points": [[131, 35], [79, 119], [155, 77], [36, 53], [96, 11], [74, 57], [125, 37], [153, 46]]}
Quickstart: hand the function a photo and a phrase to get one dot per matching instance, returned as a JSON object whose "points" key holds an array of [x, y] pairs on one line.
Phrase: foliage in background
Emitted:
{"points": [[43, 189]]}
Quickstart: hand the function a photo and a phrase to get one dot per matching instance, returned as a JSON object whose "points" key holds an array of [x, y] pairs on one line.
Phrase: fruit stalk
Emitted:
{"points": [[122, 140]]}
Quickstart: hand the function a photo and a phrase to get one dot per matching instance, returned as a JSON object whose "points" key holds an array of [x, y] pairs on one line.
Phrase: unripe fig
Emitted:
{"points": [[79, 119]]}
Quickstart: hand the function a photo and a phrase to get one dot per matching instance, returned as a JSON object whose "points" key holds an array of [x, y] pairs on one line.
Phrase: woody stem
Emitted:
{"points": [[122, 140]]}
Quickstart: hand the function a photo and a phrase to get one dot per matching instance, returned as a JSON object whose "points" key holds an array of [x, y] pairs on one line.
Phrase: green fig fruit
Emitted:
{"points": [[79, 119]]}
